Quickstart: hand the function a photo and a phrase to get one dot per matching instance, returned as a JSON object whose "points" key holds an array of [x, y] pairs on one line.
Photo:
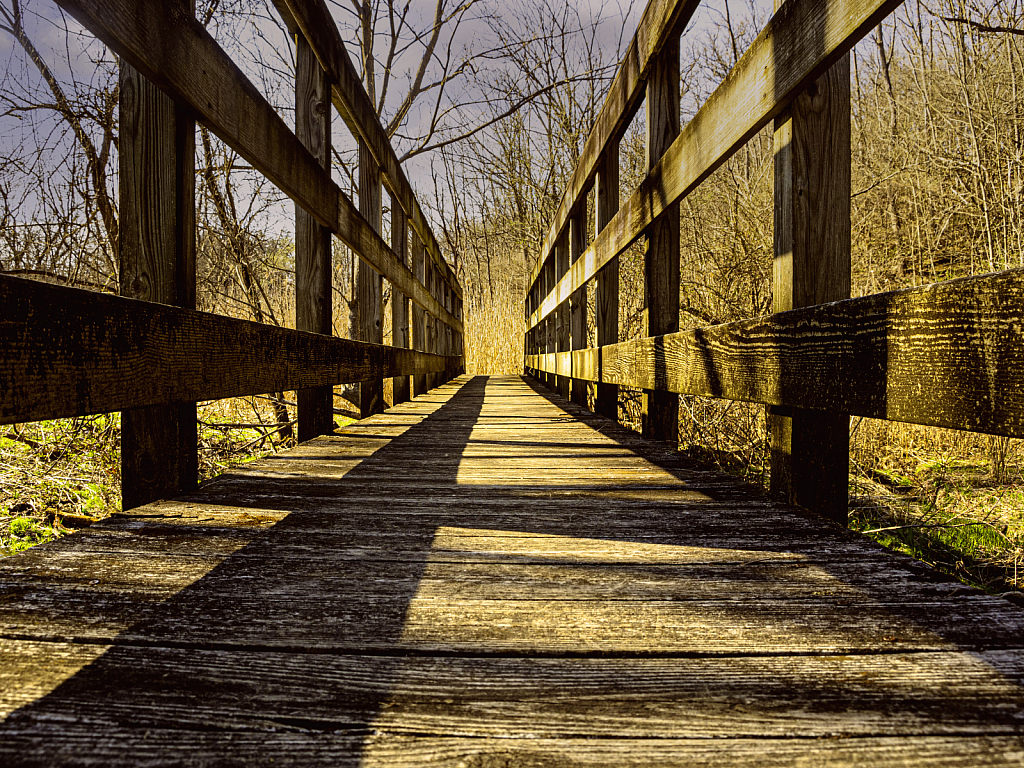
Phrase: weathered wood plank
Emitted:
{"points": [[937, 694], [176, 53], [948, 355], [313, 267], [800, 43], [70, 352]]}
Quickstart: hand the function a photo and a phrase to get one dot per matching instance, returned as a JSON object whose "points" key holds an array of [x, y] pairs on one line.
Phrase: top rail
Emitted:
{"points": [[797, 45], [172, 49], [313, 20]]}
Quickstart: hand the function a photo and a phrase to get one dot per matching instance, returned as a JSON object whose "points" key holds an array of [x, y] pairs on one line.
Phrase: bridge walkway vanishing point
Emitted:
{"points": [[488, 575]]}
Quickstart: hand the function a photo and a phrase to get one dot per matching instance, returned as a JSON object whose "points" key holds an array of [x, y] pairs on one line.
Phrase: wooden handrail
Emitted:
{"points": [[72, 352], [756, 90], [946, 355], [313, 20], [175, 52]]}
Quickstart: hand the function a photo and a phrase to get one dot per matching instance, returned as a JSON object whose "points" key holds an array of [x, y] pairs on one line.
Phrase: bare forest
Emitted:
{"points": [[488, 106]]}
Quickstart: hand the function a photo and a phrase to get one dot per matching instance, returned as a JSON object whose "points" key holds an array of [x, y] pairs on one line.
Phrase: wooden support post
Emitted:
{"points": [[810, 449], [419, 317], [578, 300], [562, 337], [550, 344], [431, 285], [369, 282], [312, 241], [660, 410], [606, 296], [399, 302], [157, 254]]}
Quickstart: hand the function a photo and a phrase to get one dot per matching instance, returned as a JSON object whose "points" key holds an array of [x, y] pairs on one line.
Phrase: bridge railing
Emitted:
{"points": [[148, 353], [947, 355]]}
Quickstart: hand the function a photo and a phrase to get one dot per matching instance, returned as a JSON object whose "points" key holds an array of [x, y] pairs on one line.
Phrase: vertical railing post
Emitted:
{"points": [[369, 283], [578, 301], [432, 345], [157, 255], [399, 302], [606, 298], [312, 241], [810, 449], [660, 410], [550, 380], [562, 312], [419, 317]]}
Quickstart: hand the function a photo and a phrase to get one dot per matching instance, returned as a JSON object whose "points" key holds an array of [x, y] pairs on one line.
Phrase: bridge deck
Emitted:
{"points": [[485, 577]]}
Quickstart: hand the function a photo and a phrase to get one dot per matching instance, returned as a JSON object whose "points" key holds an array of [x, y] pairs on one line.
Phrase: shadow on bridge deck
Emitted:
{"points": [[489, 576]]}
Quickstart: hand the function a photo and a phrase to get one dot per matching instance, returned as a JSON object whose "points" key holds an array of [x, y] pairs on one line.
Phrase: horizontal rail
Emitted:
{"points": [[661, 20], [71, 352], [947, 355], [313, 19], [797, 45], [173, 50]]}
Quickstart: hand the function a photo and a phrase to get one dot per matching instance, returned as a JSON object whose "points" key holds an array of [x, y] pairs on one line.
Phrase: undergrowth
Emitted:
{"points": [[61, 475]]}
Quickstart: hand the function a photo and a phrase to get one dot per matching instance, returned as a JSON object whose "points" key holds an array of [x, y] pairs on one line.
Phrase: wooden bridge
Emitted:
{"points": [[488, 573]]}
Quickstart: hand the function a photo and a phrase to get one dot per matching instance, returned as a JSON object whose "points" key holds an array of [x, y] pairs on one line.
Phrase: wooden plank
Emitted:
{"points": [[176, 53], [606, 298], [399, 302], [810, 450], [314, 20], [659, 410], [813, 36], [70, 352], [369, 285], [526, 698], [157, 262], [313, 267], [947, 355], [662, 20], [541, 586]]}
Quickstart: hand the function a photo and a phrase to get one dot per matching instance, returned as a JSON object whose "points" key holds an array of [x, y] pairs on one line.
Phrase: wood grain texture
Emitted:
{"points": [[800, 43], [70, 352], [488, 575], [175, 52], [810, 462], [157, 262], [948, 355], [314, 20], [313, 253], [662, 20]]}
